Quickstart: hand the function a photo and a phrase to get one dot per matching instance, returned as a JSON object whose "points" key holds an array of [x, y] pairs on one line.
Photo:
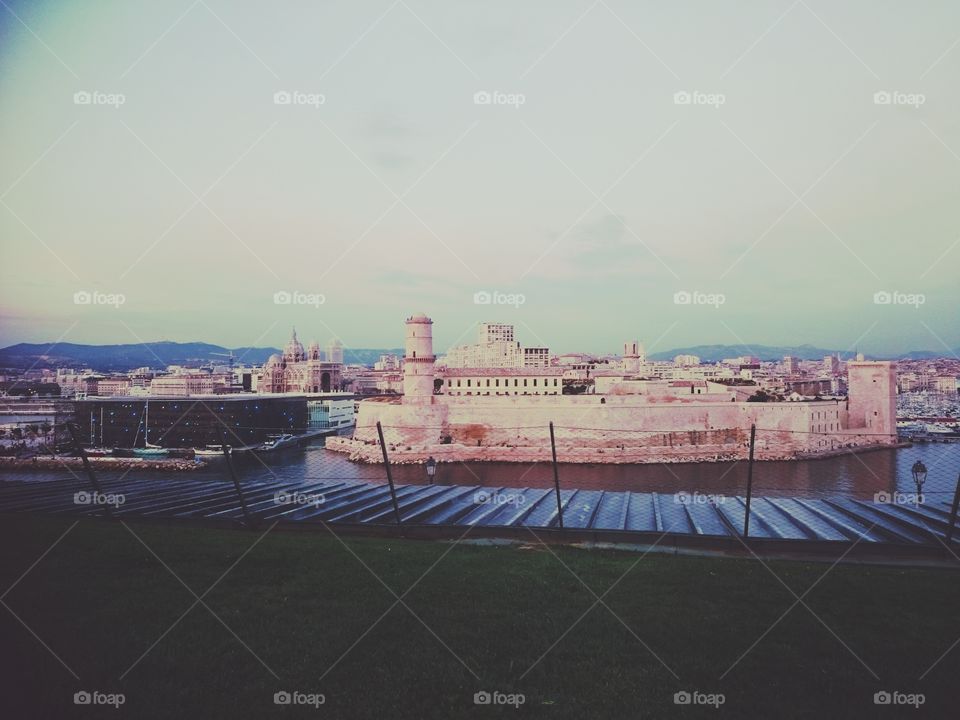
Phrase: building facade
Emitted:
{"points": [[300, 371]]}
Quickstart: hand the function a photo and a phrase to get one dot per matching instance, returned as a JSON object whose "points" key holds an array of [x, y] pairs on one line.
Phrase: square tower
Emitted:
{"points": [[872, 398]]}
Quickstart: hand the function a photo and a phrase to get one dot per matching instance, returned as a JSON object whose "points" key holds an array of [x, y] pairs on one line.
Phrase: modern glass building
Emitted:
{"points": [[188, 422]]}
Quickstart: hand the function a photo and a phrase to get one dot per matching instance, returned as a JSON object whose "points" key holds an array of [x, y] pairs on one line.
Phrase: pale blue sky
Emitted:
{"points": [[597, 199]]}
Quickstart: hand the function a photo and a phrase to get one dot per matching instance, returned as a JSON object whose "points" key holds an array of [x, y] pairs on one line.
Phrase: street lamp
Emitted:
{"points": [[431, 469], [919, 471]]}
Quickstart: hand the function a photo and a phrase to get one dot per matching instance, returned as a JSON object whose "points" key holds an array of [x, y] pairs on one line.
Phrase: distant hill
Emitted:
{"points": [[120, 358], [714, 353], [156, 355]]}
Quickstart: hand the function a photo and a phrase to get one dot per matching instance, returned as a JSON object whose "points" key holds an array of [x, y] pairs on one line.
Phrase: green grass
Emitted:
{"points": [[100, 599]]}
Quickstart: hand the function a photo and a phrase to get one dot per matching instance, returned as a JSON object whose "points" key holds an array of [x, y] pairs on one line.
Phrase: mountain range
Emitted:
{"points": [[714, 353], [160, 354], [156, 355]]}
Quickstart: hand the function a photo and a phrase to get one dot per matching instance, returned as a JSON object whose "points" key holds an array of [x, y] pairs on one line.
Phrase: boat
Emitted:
{"points": [[151, 452], [149, 449], [97, 452], [209, 451], [278, 442]]}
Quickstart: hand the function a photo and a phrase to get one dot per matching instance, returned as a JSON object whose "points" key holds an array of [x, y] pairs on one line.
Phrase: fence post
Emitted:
{"points": [[74, 435], [953, 511], [228, 458], [386, 464], [556, 477], [746, 517]]}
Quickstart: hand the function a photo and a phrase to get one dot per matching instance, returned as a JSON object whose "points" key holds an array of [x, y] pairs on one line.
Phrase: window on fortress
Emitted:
{"points": [[488, 384], [469, 382], [524, 382], [534, 382]]}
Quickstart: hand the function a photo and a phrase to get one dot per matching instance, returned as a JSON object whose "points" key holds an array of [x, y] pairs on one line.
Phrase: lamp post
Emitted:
{"points": [[919, 471], [431, 469]]}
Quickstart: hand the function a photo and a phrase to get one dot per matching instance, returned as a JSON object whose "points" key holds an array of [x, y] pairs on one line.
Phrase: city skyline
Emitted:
{"points": [[591, 167]]}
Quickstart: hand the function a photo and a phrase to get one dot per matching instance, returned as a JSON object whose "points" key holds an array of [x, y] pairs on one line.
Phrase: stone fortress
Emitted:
{"points": [[634, 426]]}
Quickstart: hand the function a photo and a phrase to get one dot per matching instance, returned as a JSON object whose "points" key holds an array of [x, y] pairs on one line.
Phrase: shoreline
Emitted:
{"points": [[101, 463], [370, 453]]}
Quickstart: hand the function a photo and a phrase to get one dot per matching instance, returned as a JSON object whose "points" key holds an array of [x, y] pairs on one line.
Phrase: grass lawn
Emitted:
{"points": [[484, 618]]}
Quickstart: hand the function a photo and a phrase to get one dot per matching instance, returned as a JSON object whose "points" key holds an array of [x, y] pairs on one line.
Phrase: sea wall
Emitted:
{"points": [[595, 428], [369, 452]]}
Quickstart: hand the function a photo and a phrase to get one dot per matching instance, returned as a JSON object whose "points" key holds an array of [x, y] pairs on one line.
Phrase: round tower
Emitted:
{"points": [[418, 360]]}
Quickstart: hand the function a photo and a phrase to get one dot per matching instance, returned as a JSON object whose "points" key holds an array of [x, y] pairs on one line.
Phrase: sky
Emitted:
{"points": [[680, 173]]}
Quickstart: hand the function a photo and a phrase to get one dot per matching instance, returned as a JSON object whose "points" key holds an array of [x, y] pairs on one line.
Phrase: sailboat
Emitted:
{"points": [[149, 449]]}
